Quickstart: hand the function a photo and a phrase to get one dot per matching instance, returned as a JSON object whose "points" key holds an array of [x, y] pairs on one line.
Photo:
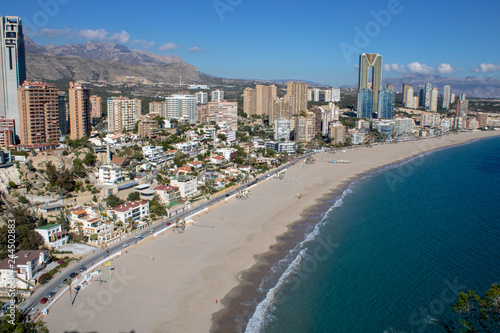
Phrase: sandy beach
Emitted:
{"points": [[175, 283]]}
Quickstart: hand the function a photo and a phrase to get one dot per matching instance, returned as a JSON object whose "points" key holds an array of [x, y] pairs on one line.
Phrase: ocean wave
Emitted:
{"points": [[292, 261]]}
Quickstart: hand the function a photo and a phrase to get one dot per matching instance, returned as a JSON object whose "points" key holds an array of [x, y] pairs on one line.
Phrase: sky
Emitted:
{"points": [[317, 41]]}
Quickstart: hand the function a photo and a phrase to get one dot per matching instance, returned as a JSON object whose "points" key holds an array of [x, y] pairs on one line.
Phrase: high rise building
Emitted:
{"points": [[369, 61], [427, 95], [316, 94], [405, 94], [434, 100], [304, 128], [38, 113], [250, 101], [122, 113], [385, 104], [12, 67], [296, 94], [281, 108], [7, 130], [335, 95], [217, 96], [201, 114], [446, 97], [201, 97], [224, 112], [482, 119], [462, 106], [265, 97], [421, 96], [390, 86], [337, 133], [62, 107], [452, 99], [159, 108], [147, 128], [182, 107], [95, 106], [365, 103], [79, 111], [282, 129], [408, 97]]}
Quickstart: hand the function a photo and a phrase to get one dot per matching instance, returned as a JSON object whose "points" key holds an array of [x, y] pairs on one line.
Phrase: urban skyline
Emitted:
{"points": [[267, 56]]}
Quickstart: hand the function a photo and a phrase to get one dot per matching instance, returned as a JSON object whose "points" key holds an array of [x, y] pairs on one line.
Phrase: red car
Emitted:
{"points": [[44, 300]]}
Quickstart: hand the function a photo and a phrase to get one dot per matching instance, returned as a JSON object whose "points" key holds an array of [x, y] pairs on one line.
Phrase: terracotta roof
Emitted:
{"points": [[123, 161], [218, 157], [166, 188], [60, 233], [79, 212], [195, 163]]}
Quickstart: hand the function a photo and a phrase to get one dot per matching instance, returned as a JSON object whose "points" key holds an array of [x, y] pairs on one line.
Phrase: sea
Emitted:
{"points": [[391, 251]]}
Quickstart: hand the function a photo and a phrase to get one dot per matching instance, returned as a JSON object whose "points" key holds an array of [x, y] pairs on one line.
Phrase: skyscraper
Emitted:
{"points": [[385, 104], [405, 88], [226, 112], [408, 97], [365, 103], [122, 113], [95, 106], [446, 97], [296, 94], [201, 97], [62, 106], [427, 95], [421, 96], [182, 106], [265, 97], [367, 61], [12, 67], [434, 100], [38, 113], [79, 111], [462, 106]]}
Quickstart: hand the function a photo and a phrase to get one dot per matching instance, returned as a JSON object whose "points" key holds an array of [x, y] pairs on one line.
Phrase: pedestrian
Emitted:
{"points": [[216, 301]]}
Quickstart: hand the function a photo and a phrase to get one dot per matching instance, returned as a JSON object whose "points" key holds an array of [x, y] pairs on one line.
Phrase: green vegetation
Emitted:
{"points": [[19, 324], [134, 196], [156, 206], [476, 313], [26, 236], [113, 201]]}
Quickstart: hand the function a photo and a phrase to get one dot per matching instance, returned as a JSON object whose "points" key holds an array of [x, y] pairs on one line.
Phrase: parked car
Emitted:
{"points": [[152, 231], [73, 275], [125, 245], [83, 269], [44, 300], [51, 294]]}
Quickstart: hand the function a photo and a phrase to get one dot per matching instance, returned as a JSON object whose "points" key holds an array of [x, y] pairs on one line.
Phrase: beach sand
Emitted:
{"points": [[177, 290]]}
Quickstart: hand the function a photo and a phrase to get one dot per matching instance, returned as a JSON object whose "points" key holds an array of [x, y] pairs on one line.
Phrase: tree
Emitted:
{"points": [[51, 173], [89, 159], [477, 314], [113, 201], [78, 168], [134, 196], [68, 283], [20, 324]]}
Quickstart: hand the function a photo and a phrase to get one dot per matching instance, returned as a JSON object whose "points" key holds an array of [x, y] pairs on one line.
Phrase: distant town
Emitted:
{"points": [[81, 167]]}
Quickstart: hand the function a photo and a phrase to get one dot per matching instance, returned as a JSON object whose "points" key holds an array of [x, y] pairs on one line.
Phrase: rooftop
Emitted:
{"points": [[49, 226], [128, 205], [22, 258]]}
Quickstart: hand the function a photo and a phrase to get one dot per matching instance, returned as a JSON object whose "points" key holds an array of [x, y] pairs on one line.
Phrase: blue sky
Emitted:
{"points": [[316, 41]]}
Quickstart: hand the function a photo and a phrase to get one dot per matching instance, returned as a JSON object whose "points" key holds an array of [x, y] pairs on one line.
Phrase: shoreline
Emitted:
{"points": [[178, 291], [228, 319]]}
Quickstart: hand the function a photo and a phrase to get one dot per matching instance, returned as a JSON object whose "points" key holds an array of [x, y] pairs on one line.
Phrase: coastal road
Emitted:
{"points": [[56, 283]]}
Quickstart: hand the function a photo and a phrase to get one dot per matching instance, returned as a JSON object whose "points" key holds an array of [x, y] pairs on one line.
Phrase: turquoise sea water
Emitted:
{"points": [[394, 250]]}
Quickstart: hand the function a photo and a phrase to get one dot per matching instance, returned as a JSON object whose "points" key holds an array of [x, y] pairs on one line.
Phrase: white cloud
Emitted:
{"points": [[98, 34], [419, 68], [195, 49], [445, 69], [144, 43], [486, 68], [168, 46], [394, 68], [121, 37]]}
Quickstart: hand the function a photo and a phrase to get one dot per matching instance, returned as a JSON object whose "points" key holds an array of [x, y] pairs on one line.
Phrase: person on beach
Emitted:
{"points": [[216, 301]]}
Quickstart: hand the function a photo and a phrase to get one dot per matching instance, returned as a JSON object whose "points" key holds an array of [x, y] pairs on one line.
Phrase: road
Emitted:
{"points": [[56, 283]]}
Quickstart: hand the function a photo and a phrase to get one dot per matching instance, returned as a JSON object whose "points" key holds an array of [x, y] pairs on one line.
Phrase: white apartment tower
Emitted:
{"points": [[217, 96], [12, 67], [446, 97], [181, 106]]}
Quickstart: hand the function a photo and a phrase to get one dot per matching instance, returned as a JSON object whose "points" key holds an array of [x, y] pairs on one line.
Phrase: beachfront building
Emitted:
{"points": [[337, 133], [53, 235], [90, 222], [27, 264], [136, 210], [282, 146], [188, 185], [168, 194], [110, 174]]}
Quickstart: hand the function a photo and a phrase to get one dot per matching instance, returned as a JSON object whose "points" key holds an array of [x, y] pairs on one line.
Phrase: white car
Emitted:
{"points": [[125, 245]]}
